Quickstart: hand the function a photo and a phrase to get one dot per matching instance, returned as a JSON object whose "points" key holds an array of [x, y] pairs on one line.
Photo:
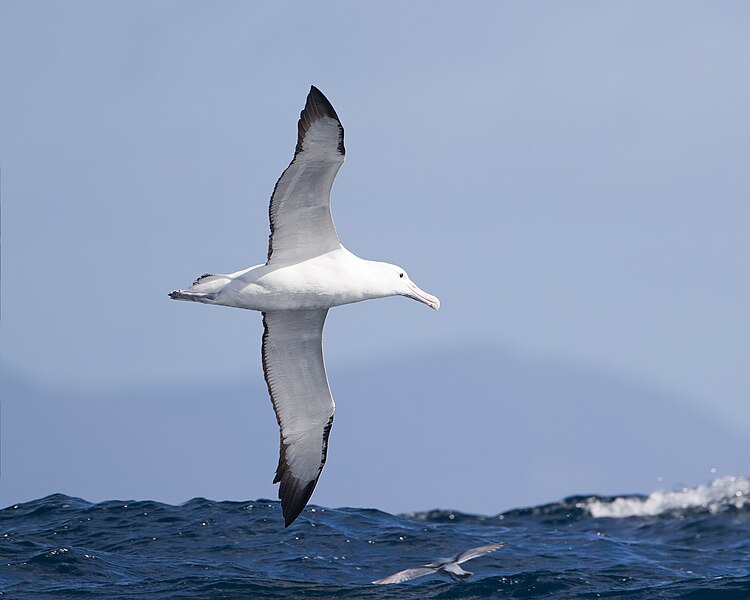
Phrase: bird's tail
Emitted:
{"points": [[204, 289], [192, 296], [454, 571]]}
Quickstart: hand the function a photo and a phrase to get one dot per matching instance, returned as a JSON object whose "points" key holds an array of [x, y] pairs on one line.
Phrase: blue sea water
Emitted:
{"points": [[692, 543]]}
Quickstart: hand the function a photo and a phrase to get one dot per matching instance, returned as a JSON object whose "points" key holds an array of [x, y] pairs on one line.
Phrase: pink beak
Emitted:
{"points": [[423, 297]]}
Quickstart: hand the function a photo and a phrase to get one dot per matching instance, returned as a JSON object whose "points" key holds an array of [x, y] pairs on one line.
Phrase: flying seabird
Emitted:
{"points": [[447, 567], [307, 271]]}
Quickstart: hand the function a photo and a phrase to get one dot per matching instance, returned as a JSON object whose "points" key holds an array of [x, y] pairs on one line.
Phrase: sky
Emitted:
{"points": [[569, 178]]}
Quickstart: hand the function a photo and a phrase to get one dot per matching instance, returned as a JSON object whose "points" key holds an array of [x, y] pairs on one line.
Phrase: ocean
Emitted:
{"points": [[690, 543]]}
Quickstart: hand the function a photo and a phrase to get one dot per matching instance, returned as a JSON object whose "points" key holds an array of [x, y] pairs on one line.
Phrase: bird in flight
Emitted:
{"points": [[447, 567], [306, 273]]}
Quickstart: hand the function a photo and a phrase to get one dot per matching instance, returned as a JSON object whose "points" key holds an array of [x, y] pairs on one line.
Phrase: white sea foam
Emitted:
{"points": [[718, 495]]}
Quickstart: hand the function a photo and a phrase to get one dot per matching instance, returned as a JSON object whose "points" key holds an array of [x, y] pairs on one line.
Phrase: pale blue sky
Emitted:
{"points": [[571, 179]]}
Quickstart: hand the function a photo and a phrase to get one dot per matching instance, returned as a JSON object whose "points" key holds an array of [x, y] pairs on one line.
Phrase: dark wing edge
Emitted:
{"points": [[317, 106], [294, 493]]}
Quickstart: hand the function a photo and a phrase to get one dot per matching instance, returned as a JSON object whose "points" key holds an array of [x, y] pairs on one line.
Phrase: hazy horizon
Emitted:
{"points": [[569, 430]]}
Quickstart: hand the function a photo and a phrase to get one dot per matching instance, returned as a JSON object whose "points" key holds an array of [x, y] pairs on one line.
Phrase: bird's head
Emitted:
{"points": [[398, 281]]}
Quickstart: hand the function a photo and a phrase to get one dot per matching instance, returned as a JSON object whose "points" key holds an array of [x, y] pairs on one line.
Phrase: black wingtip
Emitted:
{"points": [[317, 106], [293, 492], [294, 496], [321, 103]]}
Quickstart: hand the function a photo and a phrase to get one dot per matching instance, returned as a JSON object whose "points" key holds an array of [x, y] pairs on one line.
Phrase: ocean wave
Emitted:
{"points": [[693, 543], [721, 494]]}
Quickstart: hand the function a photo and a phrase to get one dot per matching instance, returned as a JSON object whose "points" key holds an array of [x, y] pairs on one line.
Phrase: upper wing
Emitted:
{"points": [[406, 575], [474, 552], [296, 377], [300, 210]]}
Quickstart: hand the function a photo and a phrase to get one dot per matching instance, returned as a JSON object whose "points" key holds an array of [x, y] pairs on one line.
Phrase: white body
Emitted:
{"points": [[332, 279]]}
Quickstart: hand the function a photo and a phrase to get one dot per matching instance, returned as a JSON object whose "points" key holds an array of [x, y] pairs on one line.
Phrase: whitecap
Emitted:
{"points": [[724, 492]]}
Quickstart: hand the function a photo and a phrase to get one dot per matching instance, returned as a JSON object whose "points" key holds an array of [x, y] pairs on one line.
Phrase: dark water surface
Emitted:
{"points": [[694, 543]]}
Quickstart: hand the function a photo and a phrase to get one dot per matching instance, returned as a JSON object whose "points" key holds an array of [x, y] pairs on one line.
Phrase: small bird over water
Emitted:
{"points": [[307, 272], [447, 567]]}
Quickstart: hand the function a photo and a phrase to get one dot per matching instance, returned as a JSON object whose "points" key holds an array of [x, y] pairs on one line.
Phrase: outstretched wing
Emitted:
{"points": [[406, 575], [296, 377], [462, 557], [300, 209]]}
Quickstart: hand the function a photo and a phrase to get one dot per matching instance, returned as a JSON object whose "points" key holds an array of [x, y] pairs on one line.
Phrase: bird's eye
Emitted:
{"points": [[400, 274]]}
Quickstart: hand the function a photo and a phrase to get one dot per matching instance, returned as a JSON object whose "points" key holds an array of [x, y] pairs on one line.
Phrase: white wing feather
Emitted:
{"points": [[406, 575], [296, 377], [300, 209], [475, 552]]}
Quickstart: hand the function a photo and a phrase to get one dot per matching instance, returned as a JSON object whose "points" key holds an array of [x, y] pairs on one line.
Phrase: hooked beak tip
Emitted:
{"points": [[420, 296]]}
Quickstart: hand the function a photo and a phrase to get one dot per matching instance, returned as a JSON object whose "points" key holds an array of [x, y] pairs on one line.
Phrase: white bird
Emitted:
{"points": [[307, 272], [447, 567]]}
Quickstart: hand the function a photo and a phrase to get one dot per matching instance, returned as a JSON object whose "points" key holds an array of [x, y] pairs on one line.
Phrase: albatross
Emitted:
{"points": [[306, 273]]}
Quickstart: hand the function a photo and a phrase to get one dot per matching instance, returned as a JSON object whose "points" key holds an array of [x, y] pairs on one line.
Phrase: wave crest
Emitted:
{"points": [[722, 493]]}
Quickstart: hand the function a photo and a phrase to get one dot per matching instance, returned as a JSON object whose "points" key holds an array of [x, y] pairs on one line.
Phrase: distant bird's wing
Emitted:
{"points": [[462, 557], [296, 377], [300, 210], [406, 575]]}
